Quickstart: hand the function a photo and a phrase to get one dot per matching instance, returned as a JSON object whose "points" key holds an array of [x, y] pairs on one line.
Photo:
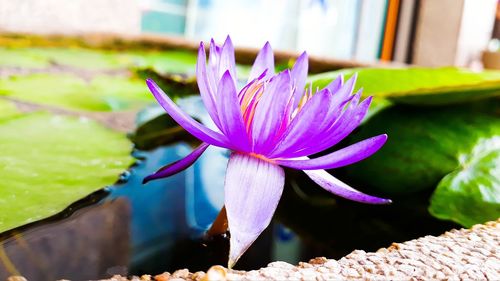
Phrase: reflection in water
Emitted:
{"points": [[168, 210], [88, 244], [136, 229]]}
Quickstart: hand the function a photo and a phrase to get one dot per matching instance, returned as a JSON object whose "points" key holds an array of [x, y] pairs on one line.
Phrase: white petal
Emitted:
{"points": [[253, 188]]}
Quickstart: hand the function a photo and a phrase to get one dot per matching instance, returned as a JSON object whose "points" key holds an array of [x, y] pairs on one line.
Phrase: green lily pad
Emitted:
{"points": [[103, 93], [83, 58], [14, 57], [48, 162], [424, 144], [420, 86], [7, 109], [471, 193], [172, 61], [167, 61]]}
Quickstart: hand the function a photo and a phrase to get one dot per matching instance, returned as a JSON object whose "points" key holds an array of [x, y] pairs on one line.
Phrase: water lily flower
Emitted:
{"points": [[274, 121]]}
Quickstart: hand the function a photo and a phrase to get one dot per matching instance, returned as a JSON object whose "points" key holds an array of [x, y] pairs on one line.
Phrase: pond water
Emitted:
{"points": [[131, 228]]}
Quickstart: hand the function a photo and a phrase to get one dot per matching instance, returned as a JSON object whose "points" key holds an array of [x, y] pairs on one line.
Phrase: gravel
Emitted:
{"points": [[466, 254]]}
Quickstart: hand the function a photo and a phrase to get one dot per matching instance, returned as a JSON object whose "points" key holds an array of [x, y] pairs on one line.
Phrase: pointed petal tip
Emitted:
{"points": [[368, 99], [228, 43], [226, 75], [376, 201], [352, 81], [342, 80], [153, 87], [201, 48], [267, 47], [337, 187], [154, 176], [239, 244], [148, 179], [231, 263]]}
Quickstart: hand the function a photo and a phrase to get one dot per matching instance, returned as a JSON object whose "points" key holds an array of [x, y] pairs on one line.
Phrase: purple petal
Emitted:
{"points": [[206, 91], [348, 121], [343, 157], [213, 65], [227, 60], [345, 91], [299, 75], [340, 96], [252, 189], [310, 116], [335, 186], [178, 166], [270, 112], [335, 85], [189, 124], [263, 62], [230, 113]]}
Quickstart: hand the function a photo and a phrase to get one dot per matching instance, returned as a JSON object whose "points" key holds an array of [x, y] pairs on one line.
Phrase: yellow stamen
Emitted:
{"points": [[262, 157], [249, 94]]}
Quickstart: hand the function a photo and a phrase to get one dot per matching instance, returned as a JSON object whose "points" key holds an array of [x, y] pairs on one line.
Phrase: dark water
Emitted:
{"points": [[131, 228]]}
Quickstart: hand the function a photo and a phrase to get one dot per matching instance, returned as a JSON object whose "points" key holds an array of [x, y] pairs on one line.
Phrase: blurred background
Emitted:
{"points": [[421, 32], [74, 105]]}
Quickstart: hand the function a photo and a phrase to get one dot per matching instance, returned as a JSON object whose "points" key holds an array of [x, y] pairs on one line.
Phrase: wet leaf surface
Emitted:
{"points": [[436, 147], [420, 86], [102, 93], [159, 131], [48, 162], [424, 144], [171, 61], [7, 109], [471, 193]]}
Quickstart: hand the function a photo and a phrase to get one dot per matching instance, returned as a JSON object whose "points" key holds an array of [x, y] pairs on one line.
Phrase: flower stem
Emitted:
{"points": [[220, 225]]}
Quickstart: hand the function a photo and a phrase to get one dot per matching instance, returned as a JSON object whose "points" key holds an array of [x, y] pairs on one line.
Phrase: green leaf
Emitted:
{"points": [[7, 110], [15, 57], [172, 61], [424, 145], [48, 162], [167, 61], [161, 130], [471, 193], [103, 93], [83, 58], [420, 86], [156, 128]]}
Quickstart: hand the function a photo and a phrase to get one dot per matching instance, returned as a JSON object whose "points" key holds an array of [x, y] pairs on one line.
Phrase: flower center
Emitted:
{"points": [[261, 157], [249, 98]]}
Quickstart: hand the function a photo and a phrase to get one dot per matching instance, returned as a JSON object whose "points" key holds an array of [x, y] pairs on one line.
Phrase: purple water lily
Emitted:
{"points": [[271, 122]]}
